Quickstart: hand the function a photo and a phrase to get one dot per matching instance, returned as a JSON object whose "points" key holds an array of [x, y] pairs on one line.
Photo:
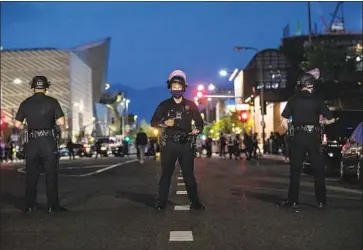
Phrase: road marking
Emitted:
{"points": [[22, 170], [86, 167], [181, 236], [181, 192], [180, 178], [182, 208], [181, 184], [108, 168]]}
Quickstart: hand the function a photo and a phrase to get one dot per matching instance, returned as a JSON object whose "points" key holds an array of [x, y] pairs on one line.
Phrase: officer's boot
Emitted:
{"points": [[197, 206], [57, 209], [288, 204], [321, 205], [160, 205], [28, 209]]}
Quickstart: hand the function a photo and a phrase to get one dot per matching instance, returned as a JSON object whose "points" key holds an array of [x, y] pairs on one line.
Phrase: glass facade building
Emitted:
{"points": [[77, 77]]}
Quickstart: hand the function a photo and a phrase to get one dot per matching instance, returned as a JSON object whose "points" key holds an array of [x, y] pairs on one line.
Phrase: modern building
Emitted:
{"points": [[77, 76], [279, 73]]}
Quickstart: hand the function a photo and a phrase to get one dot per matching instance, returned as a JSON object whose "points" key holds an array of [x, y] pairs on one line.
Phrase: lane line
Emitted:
{"points": [[22, 170], [180, 178], [182, 207], [181, 236], [181, 184], [181, 192], [85, 167], [108, 168]]}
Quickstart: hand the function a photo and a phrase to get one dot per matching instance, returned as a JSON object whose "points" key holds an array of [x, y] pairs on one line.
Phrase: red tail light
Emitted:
{"points": [[346, 146], [325, 139]]}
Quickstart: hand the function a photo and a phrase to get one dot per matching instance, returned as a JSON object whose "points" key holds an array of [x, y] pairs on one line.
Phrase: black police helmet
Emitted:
{"points": [[306, 80], [39, 82]]}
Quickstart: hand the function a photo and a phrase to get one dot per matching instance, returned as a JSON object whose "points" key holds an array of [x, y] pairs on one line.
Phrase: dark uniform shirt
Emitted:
{"points": [[40, 111], [305, 108], [183, 113]]}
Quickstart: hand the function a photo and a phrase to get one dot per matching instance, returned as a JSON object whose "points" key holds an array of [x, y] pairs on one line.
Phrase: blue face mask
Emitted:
{"points": [[177, 93]]}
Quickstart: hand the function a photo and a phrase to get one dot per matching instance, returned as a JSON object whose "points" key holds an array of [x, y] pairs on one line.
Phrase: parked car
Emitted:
{"points": [[352, 157], [334, 137], [85, 151], [118, 151]]}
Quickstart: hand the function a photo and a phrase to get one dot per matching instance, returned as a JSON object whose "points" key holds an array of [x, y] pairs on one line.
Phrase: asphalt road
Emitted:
{"points": [[113, 209]]}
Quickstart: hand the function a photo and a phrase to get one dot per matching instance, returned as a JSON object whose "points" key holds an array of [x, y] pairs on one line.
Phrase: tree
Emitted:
{"points": [[146, 127], [330, 58], [334, 64], [228, 124]]}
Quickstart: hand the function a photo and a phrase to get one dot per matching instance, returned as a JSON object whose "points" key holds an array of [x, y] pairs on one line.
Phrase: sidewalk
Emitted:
{"points": [[280, 158]]}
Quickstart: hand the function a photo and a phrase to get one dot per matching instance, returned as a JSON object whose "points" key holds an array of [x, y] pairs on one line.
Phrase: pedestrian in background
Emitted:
{"points": [[141, 142]]}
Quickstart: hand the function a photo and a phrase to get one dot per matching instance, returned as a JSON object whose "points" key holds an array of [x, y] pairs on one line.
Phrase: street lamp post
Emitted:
{"points": [[262, 99], [127, 113], [124, 118], [211, 87]]}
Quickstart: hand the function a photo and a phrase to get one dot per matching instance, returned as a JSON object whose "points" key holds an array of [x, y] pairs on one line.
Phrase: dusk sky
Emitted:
{"points": [[148, 40]]}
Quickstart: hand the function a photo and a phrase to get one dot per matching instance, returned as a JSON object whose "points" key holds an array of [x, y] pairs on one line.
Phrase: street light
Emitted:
{"points": [[223, 72], [233, 74], [200, 87], [211, 87], [107, 86]]}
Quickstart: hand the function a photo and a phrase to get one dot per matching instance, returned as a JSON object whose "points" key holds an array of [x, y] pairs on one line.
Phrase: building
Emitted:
{"points": [[348, 84], [77, 77], [280, 70]]}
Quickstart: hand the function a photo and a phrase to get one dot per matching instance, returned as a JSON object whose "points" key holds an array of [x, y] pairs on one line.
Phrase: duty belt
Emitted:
{"points": [[39, 133], [180, 138], [307, 128]]}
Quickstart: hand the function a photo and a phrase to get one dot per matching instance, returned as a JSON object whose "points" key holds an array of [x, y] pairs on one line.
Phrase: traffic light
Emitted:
{"points": [[3, 123], [127, 139], [243, 116]]}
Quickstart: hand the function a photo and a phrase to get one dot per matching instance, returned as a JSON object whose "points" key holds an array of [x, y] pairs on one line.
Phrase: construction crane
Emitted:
{"points": [[336, 24]]}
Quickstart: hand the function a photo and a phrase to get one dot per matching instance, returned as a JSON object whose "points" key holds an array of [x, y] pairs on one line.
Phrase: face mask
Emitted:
{"points": [[177, 93]]}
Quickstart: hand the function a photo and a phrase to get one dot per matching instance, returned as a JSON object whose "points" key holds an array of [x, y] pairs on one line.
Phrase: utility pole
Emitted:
{"points": [[207, 111], [309, 18], [262, 103]]}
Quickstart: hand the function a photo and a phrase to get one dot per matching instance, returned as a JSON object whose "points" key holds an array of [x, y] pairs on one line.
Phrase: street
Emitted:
{"points": [[111, 207]]}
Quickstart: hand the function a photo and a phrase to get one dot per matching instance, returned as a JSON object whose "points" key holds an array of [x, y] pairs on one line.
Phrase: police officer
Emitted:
{"points": [[174, 116], [304, 108], [42, 113]]}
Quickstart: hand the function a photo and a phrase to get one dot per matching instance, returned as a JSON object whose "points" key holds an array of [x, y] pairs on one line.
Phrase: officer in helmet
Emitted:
{"points": [[304, 109], [174, 116], [42, 113]]}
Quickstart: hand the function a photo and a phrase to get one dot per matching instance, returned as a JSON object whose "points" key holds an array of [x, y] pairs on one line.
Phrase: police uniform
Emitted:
{"points": [[40, 112], [304, 108], [176, 142]]}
